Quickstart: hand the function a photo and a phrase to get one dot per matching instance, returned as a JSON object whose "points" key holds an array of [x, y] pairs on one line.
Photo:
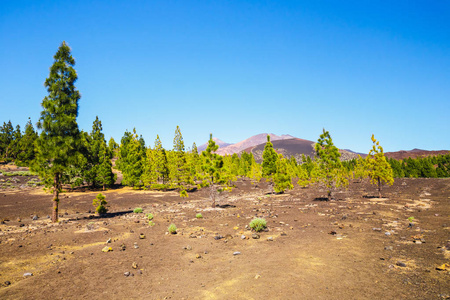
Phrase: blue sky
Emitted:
{"points": [[239, 68]]}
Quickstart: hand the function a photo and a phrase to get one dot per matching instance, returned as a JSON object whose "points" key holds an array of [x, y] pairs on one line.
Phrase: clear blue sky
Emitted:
{"points": [[239, 68]]}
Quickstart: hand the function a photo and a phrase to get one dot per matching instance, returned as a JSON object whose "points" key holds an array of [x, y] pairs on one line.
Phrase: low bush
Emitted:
{"points": [[258, 224], [199, 216], [172, 229], [138, 210], [149, 216]]}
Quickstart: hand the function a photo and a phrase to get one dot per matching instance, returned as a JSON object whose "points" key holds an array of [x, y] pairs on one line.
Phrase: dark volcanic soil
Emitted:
{"points": [[355, 247]]}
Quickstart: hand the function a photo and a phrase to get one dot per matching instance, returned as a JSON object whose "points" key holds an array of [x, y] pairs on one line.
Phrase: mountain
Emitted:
{"points": [[288, 147], [414, 153], [250, 142], [218, 142]]}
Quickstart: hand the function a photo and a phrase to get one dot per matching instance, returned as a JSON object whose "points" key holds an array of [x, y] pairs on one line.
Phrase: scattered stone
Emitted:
{"points": [[35, 218], [126, 274], [123, 247], [418, 242], [142, 236], [188, 247], [236, 253], [134, 265], [108, 241], [283, 234], [270, 239], [198, 256], [27, 274], [443, 267], [257, 276], [387, 233], [401, 264], [376, 229], [107, 249], [243, 237], [390, 248], [255, 236], [136, 246], [218, 237], [332, 232], [140, 272], [7, 283]]}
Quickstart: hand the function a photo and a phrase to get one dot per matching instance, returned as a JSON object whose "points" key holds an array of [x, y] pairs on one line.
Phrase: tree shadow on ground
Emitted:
{"points": [[104, 216]]}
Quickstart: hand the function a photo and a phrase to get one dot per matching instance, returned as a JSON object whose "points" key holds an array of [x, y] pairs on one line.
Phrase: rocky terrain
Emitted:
{"points": [[354, 247]]}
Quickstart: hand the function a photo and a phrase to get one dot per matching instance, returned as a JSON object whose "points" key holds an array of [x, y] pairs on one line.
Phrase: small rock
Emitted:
{"points": [[188, 247], [390, 248], [108, 241], [198, 256], [376, 229], [142, 236], [255, 236], [7, 283], [401, 264], [270, 239], [27, 274], [134, 265], [35, 218], [237, 253], [257, 276], [126, 274], [387, 233], [218, 237], [136, 246], [283, 234], [123, 247], [243, 237], [418, 242], [107, 249]]}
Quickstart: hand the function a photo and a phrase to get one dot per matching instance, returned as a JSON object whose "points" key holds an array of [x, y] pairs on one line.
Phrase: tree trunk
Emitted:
{"points": [[379, 187], [103, 187], [55, 198]]}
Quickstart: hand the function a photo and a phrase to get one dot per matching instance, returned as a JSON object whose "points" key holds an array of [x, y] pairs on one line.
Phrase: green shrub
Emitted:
{"points": [[149, 216], [138, 210], [184, 194], [258, 224], [172, 229], [199, 216], [151, 223], [100, 204]]}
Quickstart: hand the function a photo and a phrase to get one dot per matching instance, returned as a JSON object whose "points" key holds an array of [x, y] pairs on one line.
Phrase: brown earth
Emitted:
{"points": [[319, 249]]}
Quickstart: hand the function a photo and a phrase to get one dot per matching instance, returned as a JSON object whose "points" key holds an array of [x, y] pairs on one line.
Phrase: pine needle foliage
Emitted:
{"points": [[378, 168], [58, 144]]}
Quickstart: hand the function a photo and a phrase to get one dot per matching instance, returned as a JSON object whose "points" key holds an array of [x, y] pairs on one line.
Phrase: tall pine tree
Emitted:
{"points": [[378, 169], [57, 145]]}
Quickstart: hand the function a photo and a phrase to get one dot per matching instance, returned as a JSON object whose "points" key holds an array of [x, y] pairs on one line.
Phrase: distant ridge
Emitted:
{"points": [[414, 153], [250, 142], [218, 142]]}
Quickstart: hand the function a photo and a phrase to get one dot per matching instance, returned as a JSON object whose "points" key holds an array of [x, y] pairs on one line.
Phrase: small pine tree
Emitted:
{"points": [[282, 179], [330, 171], [100, 204], [212, 166], [378, 169], [105, 175], [270, 157], [26, 145]]}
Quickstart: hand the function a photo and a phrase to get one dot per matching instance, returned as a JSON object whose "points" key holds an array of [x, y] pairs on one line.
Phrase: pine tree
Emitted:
{"points": [[330, 171], [105, 175], [360, 169], [6, 139], [212, 166], [95, 141], [270, 157], [26, 145], [132, 162], [255, 174], [113, 146], [14, 147], [378, 169], [57, 145], [282, 179], [180, 174]]}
